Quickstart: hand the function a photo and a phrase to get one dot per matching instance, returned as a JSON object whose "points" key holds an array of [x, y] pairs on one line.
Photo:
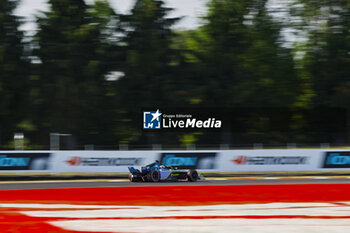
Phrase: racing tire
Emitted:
{"points": [[192, 175], [153, 176]]}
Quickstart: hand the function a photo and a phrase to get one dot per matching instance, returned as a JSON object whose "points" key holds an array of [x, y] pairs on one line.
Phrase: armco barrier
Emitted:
{"points": [[207, 160]]}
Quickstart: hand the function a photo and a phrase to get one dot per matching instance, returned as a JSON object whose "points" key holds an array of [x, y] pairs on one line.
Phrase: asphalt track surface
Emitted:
{"points": [[19, 185]]}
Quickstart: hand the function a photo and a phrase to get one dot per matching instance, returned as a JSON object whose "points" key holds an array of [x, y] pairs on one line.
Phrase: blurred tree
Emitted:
{"points": [[224, 37], [13, 72], [328, 52], [241, 48], [242, 63], [73, 43], [149, 64], [148, 52], [326, 60]]}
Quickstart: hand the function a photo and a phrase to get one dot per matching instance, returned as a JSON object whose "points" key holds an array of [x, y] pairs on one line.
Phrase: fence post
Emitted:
{"points": [[123, 147], [156, 147], [19, 141], [55, 140], [224, 147], [89, 147], [191, 147], [291, 145]]}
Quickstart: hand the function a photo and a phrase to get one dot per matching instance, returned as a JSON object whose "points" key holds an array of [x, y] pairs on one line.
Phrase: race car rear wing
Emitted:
{"points": [[132, 170]]}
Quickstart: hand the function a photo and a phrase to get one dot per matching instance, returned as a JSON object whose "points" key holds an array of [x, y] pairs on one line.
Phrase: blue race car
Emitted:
{"points": [[156, 172]]}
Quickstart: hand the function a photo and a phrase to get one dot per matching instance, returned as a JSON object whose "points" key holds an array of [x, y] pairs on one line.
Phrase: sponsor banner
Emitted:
{"points": [[269, 160], [101, 161], [337, 159], [190, 160], [24, 161], [104, 161]]}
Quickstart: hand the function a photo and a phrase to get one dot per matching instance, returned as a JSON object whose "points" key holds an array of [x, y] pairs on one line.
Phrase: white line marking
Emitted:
{"points": [[271, 209], [209, 225], [232, 225]]}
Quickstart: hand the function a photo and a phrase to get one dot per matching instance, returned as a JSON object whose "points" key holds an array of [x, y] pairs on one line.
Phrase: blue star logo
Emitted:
{"points": [[151, 120]]}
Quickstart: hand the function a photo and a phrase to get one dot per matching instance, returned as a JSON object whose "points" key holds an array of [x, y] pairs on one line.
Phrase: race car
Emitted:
{"points": [[156, 172]]}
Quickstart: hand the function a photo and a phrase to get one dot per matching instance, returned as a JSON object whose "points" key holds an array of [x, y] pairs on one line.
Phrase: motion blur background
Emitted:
{"points": [[86, 70]]}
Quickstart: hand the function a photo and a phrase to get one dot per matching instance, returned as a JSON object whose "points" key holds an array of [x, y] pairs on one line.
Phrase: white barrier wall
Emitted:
{"points": [[210, 160]]}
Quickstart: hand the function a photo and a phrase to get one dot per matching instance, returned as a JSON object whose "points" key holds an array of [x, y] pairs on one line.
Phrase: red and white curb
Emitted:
{"points": [[222, 208], [269, 217]]}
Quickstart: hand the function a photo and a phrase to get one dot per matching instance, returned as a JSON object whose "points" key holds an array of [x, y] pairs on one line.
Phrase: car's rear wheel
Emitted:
{"points": [[153, 176], [132, 177], [192, 175]]}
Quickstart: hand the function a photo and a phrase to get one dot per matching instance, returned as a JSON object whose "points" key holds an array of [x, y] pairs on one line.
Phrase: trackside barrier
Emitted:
{"points": [[22, 162]]}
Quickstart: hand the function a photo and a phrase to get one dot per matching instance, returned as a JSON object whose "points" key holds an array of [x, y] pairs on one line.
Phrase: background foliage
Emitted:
{"points": [[90, 72]]}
